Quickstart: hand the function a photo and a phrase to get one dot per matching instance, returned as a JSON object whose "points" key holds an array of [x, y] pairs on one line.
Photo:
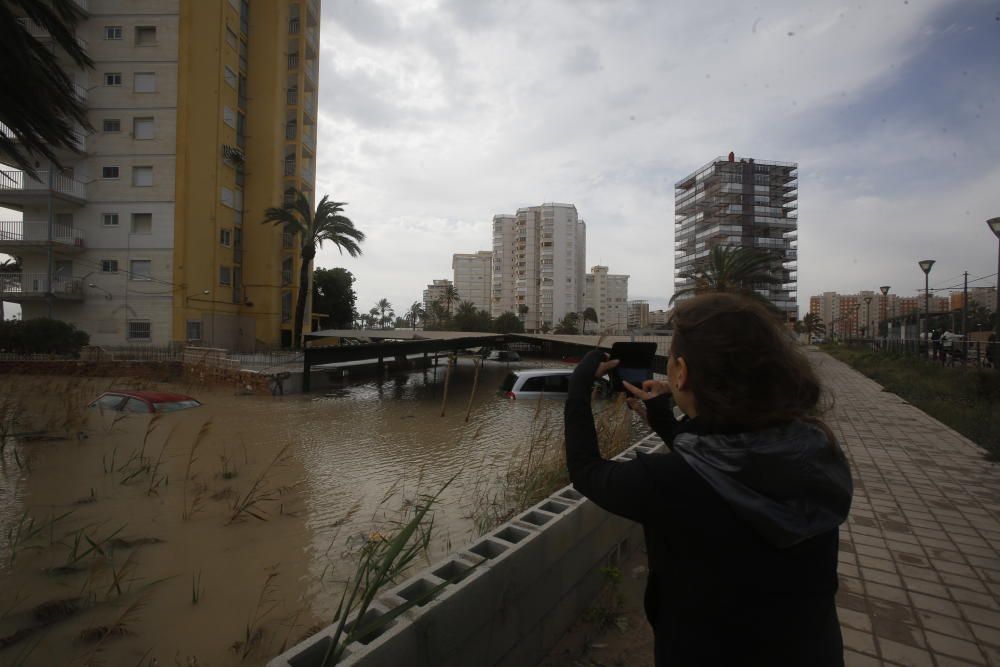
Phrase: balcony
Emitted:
{"points": [[309, 106], [309, 137], [292, 97], [294, 26], [293, 61], [77, 143], [37, 31], [22, 287], [289, 167], [16, 236], [18, 188], [312, 70], [306, 174]]}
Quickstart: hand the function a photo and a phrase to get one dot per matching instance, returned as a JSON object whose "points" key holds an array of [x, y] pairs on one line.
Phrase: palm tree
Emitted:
{"points": [[448, 296], [314, 227], [39, 105], [731, 269], [589, 315], [9, 268], [376, 319], [383, 306], [466, 309], [415, 312]]}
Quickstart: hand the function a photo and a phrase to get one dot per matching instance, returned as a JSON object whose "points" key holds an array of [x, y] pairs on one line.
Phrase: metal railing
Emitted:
{"points": [[37, 284], [21, 231], [18, 181], [294, 26], [293, 61], [78, 141], [977, 353], [292, 96]]}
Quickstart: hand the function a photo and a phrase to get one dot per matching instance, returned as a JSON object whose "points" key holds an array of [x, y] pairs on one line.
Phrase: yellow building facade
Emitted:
{"points": [[203, 115]]}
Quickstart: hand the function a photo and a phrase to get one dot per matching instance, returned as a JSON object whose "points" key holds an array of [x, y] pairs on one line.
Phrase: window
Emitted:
{"points": [[112, 78], [109, 266], [225, 237], [534, 384], [229, 117], [286, 306], [110, 219], [145, 35], [231, 37], [142, 223], [226, 196], [109, 172], [112, 125], [225, 275], [140, 269], [145, 82], [286, 272], [112, 32], [142, 128], [140, 330], [194, 329], [230, 77], [142, 177]]}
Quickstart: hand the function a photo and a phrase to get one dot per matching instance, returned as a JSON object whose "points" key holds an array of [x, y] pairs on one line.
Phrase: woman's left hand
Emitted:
{"points": [[606, 367]]}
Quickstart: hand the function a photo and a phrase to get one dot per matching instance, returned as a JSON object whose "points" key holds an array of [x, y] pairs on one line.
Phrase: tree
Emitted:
{"points": [[39, 105], [333, 296], [383, 306], [979, 317], [813, 325], [568, 325], [437, 317], [42, 335], [10, 270], [508, 323], [449, 295], [469, 318], [589, 315], [415, 313], [731, 269], [314, 228]]}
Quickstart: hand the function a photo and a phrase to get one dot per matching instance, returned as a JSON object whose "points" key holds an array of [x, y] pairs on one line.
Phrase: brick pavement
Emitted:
{"points": [[920, 552]]}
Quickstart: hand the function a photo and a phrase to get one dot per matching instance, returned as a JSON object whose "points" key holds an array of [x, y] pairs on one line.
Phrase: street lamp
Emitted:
{"points": [[885, 307], [994, 224], [857, 311], [868, 315], [925, 266], [107, 294]]}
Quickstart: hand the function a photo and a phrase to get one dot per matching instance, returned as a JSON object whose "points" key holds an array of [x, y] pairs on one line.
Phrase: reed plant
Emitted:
{"points": [[261, 491]]}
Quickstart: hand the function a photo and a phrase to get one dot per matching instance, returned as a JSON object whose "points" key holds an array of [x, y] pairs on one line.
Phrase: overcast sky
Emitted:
{"points": [[435, 116]]}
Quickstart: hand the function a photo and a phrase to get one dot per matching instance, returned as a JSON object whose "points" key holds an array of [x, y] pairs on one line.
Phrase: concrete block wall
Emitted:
{"points": [[502, 601]]}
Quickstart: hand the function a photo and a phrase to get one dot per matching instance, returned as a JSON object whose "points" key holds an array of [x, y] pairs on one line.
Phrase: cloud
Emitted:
{"points": [[435, 117]]}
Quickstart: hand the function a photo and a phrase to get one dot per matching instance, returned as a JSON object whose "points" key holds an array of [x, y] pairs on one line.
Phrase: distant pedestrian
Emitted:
{"points": [[947, 347], [741, 516], [936, 342]]}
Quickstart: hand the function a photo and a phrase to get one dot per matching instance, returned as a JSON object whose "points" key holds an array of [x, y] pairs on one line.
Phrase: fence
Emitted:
{"points": [[979, 353]]}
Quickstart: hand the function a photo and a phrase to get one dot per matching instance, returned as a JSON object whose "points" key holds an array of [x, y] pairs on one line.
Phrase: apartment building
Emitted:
{"points": [[854, 314], [983, 296], [152, 233], [607, 294], [435, 293], [473, 274], [740, 202], [538, 264], [638, 314], [659, 319]]}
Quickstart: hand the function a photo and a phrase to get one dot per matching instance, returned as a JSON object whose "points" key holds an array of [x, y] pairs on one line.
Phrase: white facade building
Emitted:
{"points": [[435, 292], [607, 294], [472, 277], [538, 264]]}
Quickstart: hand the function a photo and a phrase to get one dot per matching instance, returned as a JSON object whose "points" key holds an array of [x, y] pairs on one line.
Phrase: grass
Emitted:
{"points": [[260, 492], [965, 399]]}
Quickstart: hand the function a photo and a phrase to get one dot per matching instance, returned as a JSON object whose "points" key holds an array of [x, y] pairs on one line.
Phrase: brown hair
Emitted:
{"points": [[745, 370]]}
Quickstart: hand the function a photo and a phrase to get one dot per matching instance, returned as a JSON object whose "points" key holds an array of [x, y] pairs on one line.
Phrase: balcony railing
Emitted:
{"points": [[19, 231], [290, 130], [293, 61], [294, 26], [289, 167], [17, 286], [12, 182], [291, 97], [78, 140], [39, 32]]}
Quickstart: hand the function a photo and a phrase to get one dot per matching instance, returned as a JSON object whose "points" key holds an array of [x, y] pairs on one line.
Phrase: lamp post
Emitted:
{"points": [[925, 266], [857, 312], [868, 317], [885, 305]]}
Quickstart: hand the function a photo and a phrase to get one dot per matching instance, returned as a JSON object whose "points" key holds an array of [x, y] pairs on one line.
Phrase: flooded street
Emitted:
{"points": [[222, 534]]}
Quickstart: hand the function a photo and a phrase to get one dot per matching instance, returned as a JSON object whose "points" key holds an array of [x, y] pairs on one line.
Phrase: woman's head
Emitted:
{"points": [[740, 366]]}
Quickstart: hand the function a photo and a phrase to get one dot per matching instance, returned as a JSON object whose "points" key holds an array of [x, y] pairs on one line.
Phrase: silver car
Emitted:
{"points": [[537, 383]]}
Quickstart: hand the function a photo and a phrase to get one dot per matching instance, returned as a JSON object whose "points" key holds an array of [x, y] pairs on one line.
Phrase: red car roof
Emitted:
{"points": [[155, 396]]}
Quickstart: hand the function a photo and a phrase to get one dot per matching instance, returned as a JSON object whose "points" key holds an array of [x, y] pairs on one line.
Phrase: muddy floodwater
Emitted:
{"points": [[222, 534]]}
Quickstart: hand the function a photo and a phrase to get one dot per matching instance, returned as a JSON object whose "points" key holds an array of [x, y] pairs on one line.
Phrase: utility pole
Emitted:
{"points": [[965, 305]]}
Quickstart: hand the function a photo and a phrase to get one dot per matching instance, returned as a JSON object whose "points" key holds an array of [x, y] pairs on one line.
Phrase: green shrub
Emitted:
{"points": [[42, 335]]}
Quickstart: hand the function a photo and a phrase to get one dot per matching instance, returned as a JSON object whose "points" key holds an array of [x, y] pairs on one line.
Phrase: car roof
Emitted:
{"points": [[543, 371], [153, 396]]}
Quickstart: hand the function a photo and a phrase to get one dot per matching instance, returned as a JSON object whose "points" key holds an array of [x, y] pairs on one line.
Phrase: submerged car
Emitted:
{"points": [[503, 355], [537, 383], [143, 402]]}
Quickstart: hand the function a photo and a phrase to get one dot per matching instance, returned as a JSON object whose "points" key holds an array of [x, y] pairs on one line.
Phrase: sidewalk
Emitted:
{"points": [[919, 554]]}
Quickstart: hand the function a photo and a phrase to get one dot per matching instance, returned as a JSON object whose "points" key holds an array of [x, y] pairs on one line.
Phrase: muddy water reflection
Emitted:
{"points": [[346, 450]]}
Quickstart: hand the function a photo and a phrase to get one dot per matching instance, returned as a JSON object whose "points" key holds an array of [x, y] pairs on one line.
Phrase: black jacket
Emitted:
{"points": [[741, 533]]}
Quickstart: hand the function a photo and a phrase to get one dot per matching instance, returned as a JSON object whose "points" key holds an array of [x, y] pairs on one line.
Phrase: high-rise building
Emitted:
{"points": [[659, 319], [638, 314], [538, 264], [203, 116], [473, 274], [607, 294], [981, 296], [436, 293], [740, 203]]}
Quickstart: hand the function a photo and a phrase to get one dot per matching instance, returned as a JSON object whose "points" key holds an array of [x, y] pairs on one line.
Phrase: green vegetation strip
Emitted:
{"points": [[965, 399]]}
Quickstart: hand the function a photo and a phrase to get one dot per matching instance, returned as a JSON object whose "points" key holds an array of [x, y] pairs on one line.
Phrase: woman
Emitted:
{"points": [[741, 516]]}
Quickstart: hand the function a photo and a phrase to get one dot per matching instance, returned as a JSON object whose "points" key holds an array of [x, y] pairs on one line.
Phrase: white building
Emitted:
{"points": [[638, 314], [538, 264], [658, 319], [472, 276], [607, 294]]}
